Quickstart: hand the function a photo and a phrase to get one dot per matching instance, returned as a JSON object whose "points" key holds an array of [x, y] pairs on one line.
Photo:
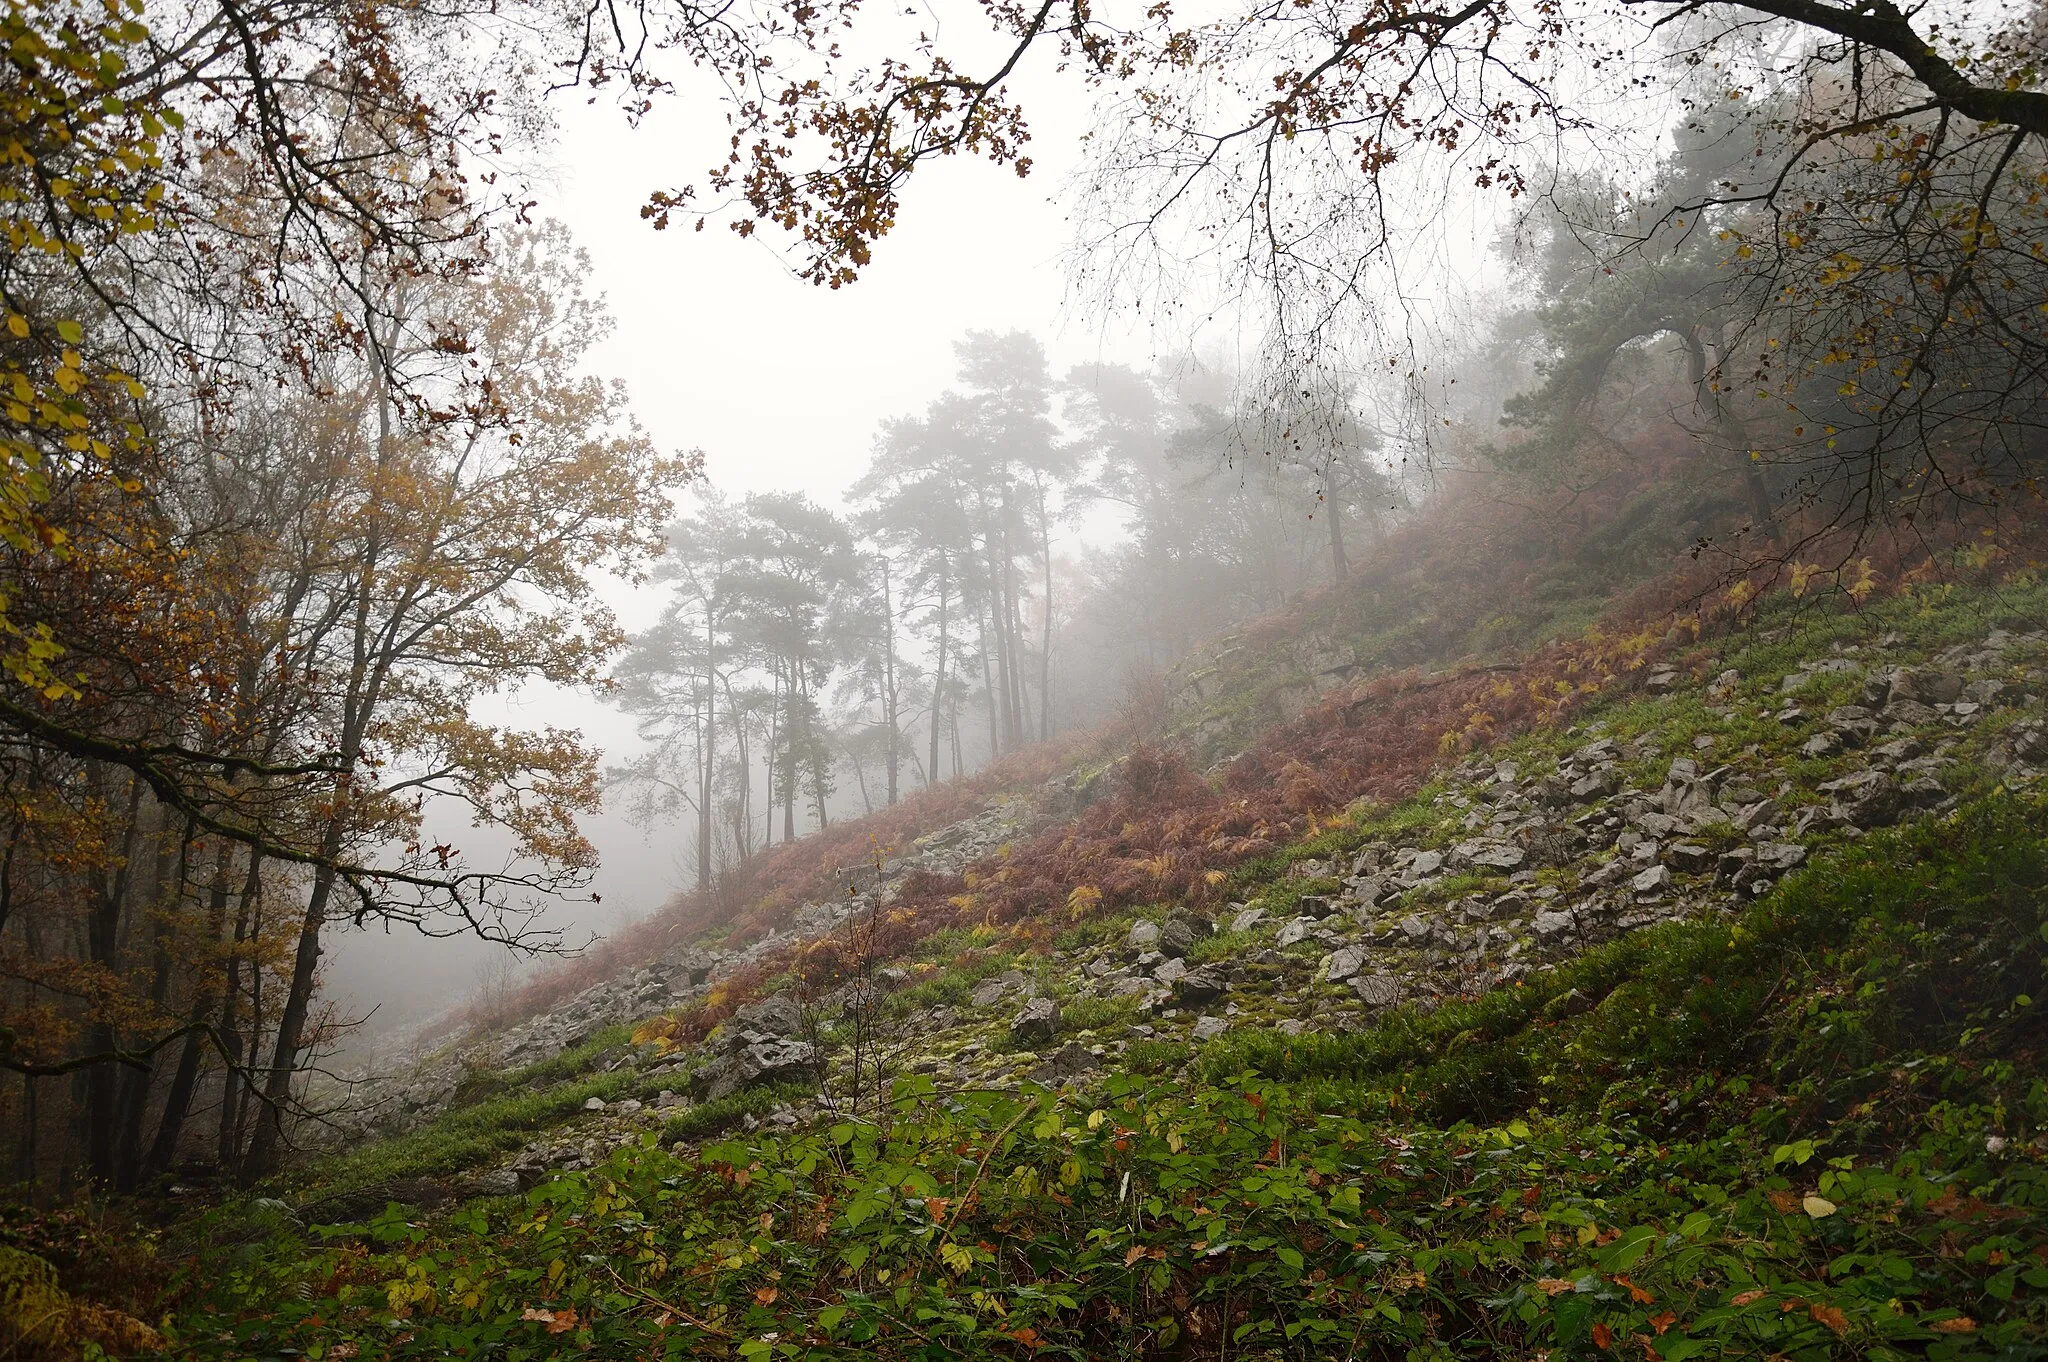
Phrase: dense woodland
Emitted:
{"points": [[302, 457]]}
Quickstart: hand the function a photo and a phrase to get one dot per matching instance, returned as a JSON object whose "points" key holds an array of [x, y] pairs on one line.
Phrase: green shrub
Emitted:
{"points": [[715, 1118], [1098, 1014]]}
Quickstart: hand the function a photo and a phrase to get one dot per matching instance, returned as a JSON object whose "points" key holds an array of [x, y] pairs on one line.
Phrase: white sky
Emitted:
{"points": [[780, 383]]}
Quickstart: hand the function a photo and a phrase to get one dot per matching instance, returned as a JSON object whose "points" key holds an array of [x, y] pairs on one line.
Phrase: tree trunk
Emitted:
{"points": [[103, 945], [178, 1100], [988, 687], [1012, 643], [1729, 431], [939, 673], [1340, 562], [790, 736], [888, 683], [1045, 643], [234, 1084], [707, 750], [291, 1022], [165, 893]]}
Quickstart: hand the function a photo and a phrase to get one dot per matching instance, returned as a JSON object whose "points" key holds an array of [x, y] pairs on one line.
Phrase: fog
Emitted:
{"points": [[782, 385]]}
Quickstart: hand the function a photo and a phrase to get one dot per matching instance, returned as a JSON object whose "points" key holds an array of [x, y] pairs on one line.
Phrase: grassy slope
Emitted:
{"points": [[1814, 1131], [951, 961]]}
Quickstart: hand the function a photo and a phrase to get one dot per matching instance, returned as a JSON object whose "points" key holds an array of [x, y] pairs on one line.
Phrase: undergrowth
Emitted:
{"points": [[1812, 1131]]}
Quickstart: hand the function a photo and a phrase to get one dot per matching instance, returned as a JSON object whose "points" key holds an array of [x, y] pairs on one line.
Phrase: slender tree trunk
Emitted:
{"points": [[768, 765], [165, 892], [178, 1099], [742, 811], [1340, 562], [1045, 636], [988, 687], [1012, 645], [860, 778], [792, 734], [25, 1151], [939, 673], [103, 945], [298, 1002], [259, 1023], [889, 682], [234, 1085], [814, 748], [707, 750]]}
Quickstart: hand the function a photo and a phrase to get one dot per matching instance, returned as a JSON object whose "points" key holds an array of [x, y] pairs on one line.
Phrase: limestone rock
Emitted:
{"points": [[1655, 880], [496, 1182], [1037, 1024], [762, 1060], [1821, 745], [1689, 857], [1345, 963], [780, 1015], [1423, 866], [1493, 855], [1868, 799], [1199, 988], [1779, 857], [1377, 990], [1065, 1064]]}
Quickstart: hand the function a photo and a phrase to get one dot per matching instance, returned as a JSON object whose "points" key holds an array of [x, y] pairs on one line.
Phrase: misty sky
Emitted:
{"points": [[780, 383]]}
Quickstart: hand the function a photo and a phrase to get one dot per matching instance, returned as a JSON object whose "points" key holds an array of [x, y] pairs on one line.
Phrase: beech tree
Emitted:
{"points": [[458, 560], [349, 583]]}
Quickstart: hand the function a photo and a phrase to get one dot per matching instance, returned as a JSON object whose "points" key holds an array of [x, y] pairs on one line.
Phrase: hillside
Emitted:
{"points": [[1430, 744], [1699, 1004]]}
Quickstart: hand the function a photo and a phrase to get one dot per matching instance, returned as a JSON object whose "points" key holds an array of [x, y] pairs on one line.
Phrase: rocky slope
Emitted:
{"points": [[382, 1102], [1690, 792]]}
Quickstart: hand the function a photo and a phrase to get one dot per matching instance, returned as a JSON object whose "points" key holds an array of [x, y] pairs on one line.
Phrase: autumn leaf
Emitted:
{"points": [[1664, 1321], [1554, 1286], [557, 1321], [1961, 1324], [1636, 1293], [1602, 1336], [766, 1295], [1750, 1297], [1832, 1317]]}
